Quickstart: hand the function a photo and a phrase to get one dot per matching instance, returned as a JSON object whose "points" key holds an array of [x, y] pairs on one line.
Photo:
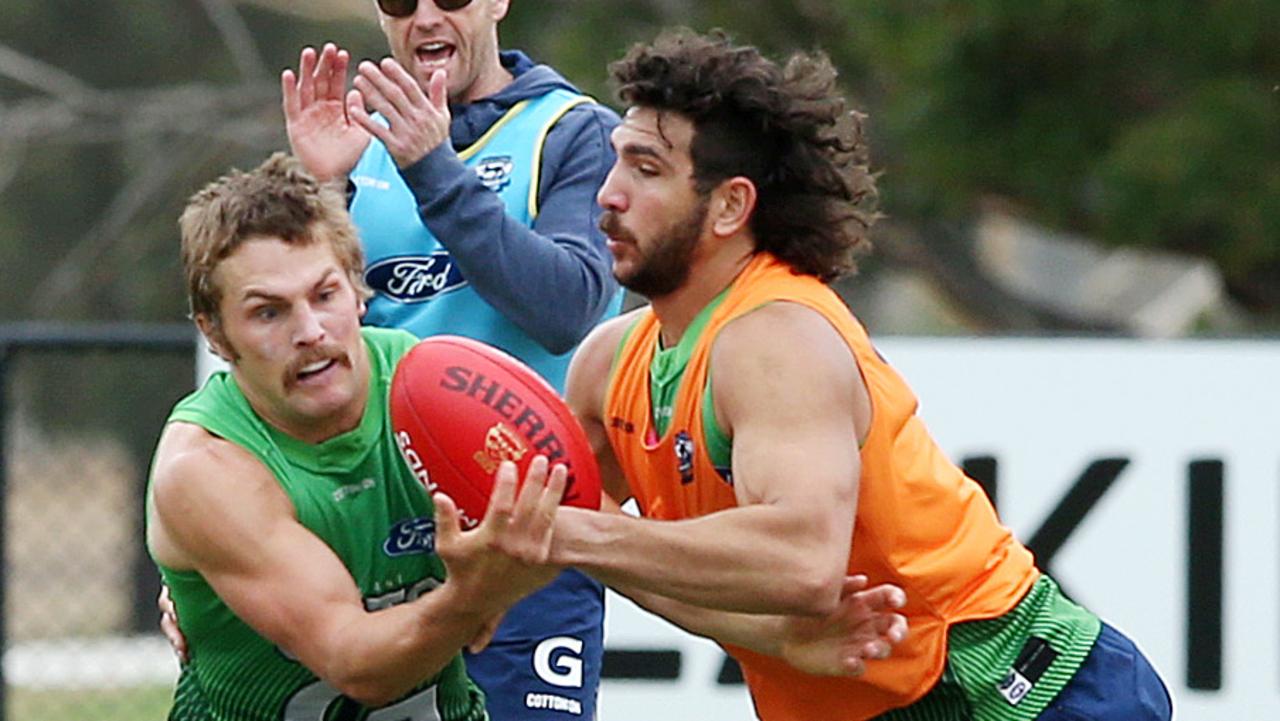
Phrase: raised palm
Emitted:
{"points": [[321, 132]]}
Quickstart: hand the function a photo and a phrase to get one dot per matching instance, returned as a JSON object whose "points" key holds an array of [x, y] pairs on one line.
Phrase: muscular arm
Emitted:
{"points": [[863, 627], [789, 392], [585, 388], [553, 280], [217, 510]]}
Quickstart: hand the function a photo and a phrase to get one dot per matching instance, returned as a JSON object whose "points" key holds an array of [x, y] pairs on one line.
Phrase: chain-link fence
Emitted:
{"points": [[80, 410]]}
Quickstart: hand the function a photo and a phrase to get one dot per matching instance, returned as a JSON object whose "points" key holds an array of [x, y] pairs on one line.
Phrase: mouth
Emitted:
{"points": [[612, 228], [314, 370], [434, 54]]}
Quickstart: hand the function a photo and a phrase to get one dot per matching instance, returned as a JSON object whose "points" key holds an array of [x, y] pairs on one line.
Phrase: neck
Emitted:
{"points": [[348, 420], [313, 430], [707, 279], [490, 82]]}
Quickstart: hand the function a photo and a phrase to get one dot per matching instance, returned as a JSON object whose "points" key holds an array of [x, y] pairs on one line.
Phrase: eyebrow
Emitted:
{"points": [[633, 149], [253, 294]]}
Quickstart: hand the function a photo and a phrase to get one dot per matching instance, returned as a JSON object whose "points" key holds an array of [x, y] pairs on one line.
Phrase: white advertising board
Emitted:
{"points": [[1094, 445]]}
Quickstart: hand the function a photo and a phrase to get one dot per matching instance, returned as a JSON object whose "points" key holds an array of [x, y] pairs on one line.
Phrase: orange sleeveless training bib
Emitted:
{"points": [[920, 522]]}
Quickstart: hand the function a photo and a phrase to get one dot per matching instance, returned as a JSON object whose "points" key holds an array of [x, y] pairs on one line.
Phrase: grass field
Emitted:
{"points": [[140, 703]]}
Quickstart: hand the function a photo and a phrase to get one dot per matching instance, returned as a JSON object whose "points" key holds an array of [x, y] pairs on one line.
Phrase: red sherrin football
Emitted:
{"points": [[459, 407]]}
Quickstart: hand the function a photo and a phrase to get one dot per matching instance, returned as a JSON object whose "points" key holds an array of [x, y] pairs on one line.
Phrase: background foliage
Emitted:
{"points": [[1136, 123]]}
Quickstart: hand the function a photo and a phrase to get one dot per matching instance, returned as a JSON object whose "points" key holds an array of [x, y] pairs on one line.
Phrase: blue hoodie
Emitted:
{"points": [[554, 280]]}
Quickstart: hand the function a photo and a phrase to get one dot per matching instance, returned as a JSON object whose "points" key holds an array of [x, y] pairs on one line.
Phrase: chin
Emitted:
{"points": [[320, 402], [623, 272]]}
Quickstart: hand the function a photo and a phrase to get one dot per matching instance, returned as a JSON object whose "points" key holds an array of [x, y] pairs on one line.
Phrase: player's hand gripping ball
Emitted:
{"points": [[460, 407]]}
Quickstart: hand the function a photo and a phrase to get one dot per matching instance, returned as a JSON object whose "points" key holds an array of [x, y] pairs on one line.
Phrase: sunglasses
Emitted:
{"points": [[405, 8]]}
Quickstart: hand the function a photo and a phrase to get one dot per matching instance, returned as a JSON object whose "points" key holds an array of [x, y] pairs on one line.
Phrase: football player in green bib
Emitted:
{"points": [[307, 564]]}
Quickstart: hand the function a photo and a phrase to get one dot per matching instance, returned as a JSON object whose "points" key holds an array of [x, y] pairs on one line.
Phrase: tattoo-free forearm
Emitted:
{"points": [[753, 559], [757, 632]]}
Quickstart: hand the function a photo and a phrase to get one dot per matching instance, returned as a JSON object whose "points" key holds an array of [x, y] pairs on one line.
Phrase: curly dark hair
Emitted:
{"points": [[785, 128]]}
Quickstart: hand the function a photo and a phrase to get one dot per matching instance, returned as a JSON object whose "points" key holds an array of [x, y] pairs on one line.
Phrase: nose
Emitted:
{"points": [[309, 330], [427, 13], [610, 195]]}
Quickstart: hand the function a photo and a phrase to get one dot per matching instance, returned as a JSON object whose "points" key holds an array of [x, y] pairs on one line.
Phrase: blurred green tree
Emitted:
{"points": [[1137, 123]]}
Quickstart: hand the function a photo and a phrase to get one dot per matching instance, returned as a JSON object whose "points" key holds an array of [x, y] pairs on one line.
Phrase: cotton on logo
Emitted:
{"points": [[565, 669]]}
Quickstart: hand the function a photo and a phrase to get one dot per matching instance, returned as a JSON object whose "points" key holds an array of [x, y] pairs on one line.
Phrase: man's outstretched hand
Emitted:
{"points": [[322, 133], [864, 627]]}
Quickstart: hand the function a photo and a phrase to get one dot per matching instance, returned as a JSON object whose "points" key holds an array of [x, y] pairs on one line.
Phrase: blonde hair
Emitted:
{"points": [[277, 199]]}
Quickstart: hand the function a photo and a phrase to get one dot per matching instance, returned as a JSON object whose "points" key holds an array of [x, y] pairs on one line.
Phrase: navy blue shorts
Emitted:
{"points": [[1115, 683], [544, 662]]}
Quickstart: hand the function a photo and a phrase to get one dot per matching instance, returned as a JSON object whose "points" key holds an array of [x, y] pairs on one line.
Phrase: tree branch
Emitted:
{"points": [[944, 253], [44, 77], [192, 109], [151, 186], [237, 38]]}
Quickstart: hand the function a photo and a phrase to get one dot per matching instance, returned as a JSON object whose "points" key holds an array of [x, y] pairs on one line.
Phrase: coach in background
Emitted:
{"points": [[474, 188], [299, 549], [747, 411]]}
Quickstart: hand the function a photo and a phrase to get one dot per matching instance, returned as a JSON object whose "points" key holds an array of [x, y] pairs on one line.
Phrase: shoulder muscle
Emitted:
{"points": [[206, 492]]}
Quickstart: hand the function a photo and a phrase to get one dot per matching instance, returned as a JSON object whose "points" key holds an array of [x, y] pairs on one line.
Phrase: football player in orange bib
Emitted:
{"points": [[770, 449]]}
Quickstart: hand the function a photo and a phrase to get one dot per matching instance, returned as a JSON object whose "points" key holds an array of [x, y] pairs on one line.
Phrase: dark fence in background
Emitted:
{"points": [[80, 409]]}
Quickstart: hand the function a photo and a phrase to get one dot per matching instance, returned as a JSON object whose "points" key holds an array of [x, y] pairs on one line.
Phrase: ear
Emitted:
{"points": [[362, 307], [498, 9], [732, 203], [212, 332]]}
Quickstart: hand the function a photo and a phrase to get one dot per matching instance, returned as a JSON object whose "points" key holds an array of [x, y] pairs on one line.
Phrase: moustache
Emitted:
{"points": [[328, 351], [611, 225]]}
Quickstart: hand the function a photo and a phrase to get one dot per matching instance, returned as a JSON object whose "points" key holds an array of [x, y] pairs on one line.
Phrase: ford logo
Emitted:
{"points": [[412, 536], [416, 279]]}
